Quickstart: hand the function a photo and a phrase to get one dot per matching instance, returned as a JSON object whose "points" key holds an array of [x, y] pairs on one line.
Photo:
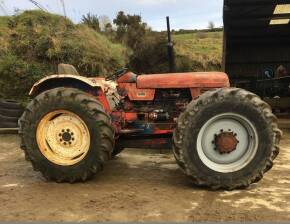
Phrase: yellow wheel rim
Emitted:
{"points": [[63, 137]]}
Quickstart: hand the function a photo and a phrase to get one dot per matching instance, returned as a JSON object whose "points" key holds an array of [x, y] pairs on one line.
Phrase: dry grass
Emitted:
{"points": [[205, 48]]}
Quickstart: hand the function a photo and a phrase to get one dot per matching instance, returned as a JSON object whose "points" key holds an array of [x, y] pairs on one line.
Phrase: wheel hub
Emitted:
{"points": [[66, 137], [226, 142]]}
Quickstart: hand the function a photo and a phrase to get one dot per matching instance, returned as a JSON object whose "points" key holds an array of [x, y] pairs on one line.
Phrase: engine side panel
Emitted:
{"points": [[134, 93]]}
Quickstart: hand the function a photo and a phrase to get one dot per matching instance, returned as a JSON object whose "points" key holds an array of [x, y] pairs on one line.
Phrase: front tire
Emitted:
{"points": [[66, 135], [226, 139]]}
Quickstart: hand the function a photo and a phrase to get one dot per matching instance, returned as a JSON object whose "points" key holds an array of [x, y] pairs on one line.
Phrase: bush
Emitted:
{"points": [[17, 76], [52, 39], [151, 56]]}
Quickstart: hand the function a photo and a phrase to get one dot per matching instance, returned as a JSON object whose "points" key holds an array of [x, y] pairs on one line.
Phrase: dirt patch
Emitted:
{"points": [[139, 185]]}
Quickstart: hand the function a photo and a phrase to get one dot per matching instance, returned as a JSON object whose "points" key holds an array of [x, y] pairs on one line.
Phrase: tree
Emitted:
{"points": [[149, 51], [121, 22], [108, 28], [103, 21], [91, 21], [130, 29], [211, 25]]}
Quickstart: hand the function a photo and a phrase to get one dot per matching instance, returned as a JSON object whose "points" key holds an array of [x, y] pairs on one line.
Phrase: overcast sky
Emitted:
{"points": [[185, 14]]}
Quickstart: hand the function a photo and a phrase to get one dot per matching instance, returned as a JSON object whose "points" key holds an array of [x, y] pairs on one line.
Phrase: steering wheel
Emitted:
{"points": [[117, 74]]}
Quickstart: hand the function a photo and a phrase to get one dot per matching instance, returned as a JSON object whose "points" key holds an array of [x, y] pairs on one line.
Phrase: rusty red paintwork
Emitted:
{"points": [[195, 92], [101, 96], [128, 77], [184, 80], [135, 93]]}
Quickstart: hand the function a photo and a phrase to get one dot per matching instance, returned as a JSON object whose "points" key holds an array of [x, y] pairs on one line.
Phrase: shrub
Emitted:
{"points": [[151, 56], [52, 39], [17, 76]]}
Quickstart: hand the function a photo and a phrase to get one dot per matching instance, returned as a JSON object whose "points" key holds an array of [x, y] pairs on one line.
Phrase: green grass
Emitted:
{"points": [[204, 48]]}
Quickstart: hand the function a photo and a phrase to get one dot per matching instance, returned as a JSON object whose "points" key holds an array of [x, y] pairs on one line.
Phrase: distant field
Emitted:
{"points": [[203, 47]]}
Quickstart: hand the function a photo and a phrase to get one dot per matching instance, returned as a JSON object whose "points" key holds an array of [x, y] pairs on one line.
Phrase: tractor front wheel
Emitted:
{"points": [[226, 139], [66, 135]]}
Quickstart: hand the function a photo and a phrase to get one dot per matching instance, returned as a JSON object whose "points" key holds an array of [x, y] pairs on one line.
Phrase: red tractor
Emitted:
{"points": [[222, 137]]}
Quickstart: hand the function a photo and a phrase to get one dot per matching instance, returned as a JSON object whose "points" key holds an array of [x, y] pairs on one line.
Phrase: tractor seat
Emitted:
{"points": [[183, 80], [66, 69]]}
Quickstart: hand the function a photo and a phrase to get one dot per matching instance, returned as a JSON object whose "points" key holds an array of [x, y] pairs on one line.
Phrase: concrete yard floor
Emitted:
{"points": [[139, 185]]}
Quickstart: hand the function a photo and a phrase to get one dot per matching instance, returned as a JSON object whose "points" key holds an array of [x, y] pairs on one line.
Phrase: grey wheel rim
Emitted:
{"points": [[245, 151]]}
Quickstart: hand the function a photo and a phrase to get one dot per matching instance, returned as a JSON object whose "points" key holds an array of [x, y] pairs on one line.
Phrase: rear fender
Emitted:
{"points": [[93, 86]]}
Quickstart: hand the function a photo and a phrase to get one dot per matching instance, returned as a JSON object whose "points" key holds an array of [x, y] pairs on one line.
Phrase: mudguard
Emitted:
{"points": [[90, 82], [94, 86]]}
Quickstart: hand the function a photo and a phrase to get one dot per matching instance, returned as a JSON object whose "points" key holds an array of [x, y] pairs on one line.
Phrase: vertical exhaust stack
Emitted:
{"points": [[170, 48]]}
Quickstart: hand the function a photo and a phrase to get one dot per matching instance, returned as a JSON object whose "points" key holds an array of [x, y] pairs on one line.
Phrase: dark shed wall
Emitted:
{"points": [[251, 44]]}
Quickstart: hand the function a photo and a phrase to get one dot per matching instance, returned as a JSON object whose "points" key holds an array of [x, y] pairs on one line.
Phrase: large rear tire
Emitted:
{"points": [[226, 139], [66, 135]]}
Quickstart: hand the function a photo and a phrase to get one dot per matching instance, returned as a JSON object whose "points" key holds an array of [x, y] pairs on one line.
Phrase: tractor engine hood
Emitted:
{"points": [[183, 80]]}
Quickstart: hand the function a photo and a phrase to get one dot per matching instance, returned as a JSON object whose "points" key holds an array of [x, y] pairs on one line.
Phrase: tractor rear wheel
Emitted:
{"points": [[66, 135], [226, 139]]}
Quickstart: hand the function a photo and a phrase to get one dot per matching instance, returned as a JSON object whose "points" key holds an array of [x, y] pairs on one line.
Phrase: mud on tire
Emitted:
{"points": [[92, 114], [226, 101]]}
